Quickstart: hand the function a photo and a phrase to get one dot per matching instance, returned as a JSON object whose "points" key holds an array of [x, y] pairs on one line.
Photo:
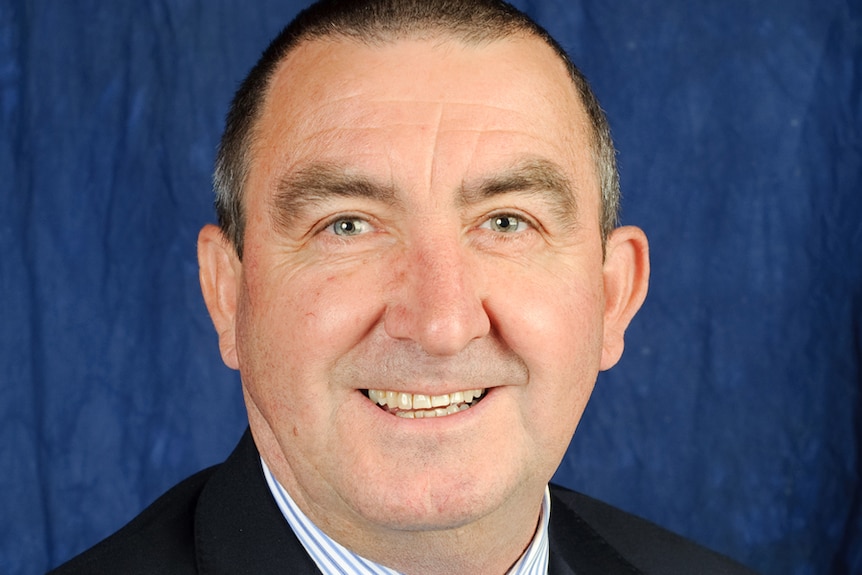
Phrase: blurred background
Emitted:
{"points": [[733, 418]]}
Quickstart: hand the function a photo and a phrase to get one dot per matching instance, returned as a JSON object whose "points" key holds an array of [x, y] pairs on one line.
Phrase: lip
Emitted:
{"points": [[421, 423]]}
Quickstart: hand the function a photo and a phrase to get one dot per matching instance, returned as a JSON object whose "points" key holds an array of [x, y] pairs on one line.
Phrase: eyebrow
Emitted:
{"points": [[318, 183], [533, 176]]}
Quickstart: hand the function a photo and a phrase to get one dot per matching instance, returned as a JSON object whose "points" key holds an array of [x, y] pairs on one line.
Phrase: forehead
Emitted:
{"points": [[409, 99]]}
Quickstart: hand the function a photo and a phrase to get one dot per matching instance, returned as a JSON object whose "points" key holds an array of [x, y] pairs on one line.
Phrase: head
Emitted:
{"points": [[420, 283]]}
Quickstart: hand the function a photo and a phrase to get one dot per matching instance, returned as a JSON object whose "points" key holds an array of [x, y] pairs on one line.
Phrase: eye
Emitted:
{"points": [[349, 226], [506, 223]]}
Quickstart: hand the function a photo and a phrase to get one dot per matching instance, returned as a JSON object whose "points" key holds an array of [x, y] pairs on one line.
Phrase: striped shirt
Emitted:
{"points": [[335, 559]]}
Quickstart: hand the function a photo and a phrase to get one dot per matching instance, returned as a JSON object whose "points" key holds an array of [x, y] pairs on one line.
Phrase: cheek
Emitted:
{"points": [[553, 323], [304, 318], [291, 330], [555, 326]]}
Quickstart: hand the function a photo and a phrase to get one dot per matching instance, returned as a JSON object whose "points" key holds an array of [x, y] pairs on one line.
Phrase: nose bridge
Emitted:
{"points": [[439, 301], [440, 275]]}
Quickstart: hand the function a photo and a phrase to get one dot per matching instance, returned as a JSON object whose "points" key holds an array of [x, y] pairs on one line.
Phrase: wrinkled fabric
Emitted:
{"points": [[734, 415]]}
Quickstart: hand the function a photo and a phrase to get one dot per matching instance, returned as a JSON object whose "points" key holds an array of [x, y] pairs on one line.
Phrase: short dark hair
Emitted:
{"points": [[378, 22]]}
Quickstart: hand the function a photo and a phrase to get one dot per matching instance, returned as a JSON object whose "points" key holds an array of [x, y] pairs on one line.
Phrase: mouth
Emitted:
{"points": [[418, 406]]}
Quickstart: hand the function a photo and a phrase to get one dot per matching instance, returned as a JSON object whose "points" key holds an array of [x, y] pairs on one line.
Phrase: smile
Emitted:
{"points": [[418, 406]]}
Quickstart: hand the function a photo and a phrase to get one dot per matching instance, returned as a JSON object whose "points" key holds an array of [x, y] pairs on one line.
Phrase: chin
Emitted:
{"points": [[436, 501]]}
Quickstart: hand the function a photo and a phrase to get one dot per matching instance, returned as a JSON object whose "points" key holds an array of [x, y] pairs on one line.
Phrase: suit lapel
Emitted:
{"points": [[238, 526], [576, 548]]}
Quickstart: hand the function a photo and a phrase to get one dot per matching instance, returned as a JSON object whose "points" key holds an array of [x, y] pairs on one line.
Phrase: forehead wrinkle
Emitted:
{"points": [[318, 183], [432, 164], [534, 176], [361, 97], [337, 131]]}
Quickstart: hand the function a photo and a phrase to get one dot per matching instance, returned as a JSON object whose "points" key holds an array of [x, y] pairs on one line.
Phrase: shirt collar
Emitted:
{"points": [[335, 559]]}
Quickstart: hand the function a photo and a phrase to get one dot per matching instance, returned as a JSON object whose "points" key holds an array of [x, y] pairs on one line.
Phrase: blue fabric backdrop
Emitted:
{"points": [[734, 417]]}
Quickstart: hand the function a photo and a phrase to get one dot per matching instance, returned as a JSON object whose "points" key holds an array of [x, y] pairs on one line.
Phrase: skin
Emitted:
{"points": [[430, 295]]}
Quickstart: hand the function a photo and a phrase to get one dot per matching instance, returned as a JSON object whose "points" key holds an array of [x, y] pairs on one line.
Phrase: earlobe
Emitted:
{"points": [[626, 279], [220, 271]]}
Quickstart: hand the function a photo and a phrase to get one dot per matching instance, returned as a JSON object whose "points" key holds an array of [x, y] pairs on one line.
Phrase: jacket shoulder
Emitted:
{"points": [[159, 540], [651, 549]]}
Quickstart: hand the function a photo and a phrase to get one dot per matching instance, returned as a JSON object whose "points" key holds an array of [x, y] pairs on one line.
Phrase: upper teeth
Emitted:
{"points": [[419, 405]]}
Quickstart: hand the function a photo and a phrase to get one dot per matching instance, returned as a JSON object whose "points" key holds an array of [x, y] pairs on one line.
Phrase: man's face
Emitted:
{"points": [[422, 232]]}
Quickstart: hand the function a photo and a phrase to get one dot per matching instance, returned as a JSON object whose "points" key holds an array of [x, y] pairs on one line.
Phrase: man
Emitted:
{"points": [[418, 276]]}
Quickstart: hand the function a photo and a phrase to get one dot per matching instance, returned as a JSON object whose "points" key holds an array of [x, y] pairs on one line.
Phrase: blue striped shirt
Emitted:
{"points": [[335, 559]]}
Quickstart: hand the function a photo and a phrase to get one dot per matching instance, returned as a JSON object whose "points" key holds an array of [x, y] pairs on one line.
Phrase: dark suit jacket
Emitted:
{"points": [[224, 520]]}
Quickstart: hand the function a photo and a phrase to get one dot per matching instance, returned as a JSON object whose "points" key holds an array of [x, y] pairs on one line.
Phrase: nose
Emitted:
{"points": [[437, 299]]}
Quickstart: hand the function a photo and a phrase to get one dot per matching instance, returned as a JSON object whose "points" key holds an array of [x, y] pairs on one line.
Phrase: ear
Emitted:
{"points": [[626, 279], [220, 271]]}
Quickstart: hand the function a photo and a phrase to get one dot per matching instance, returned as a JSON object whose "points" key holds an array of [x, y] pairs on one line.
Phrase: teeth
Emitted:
{"points": [[418, 406], [391, 397], [439, 400], [421, 401], [405, 401]]}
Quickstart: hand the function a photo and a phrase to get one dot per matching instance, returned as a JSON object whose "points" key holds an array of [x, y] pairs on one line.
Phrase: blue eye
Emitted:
{"points": [[506, 224], [349, 226]]}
